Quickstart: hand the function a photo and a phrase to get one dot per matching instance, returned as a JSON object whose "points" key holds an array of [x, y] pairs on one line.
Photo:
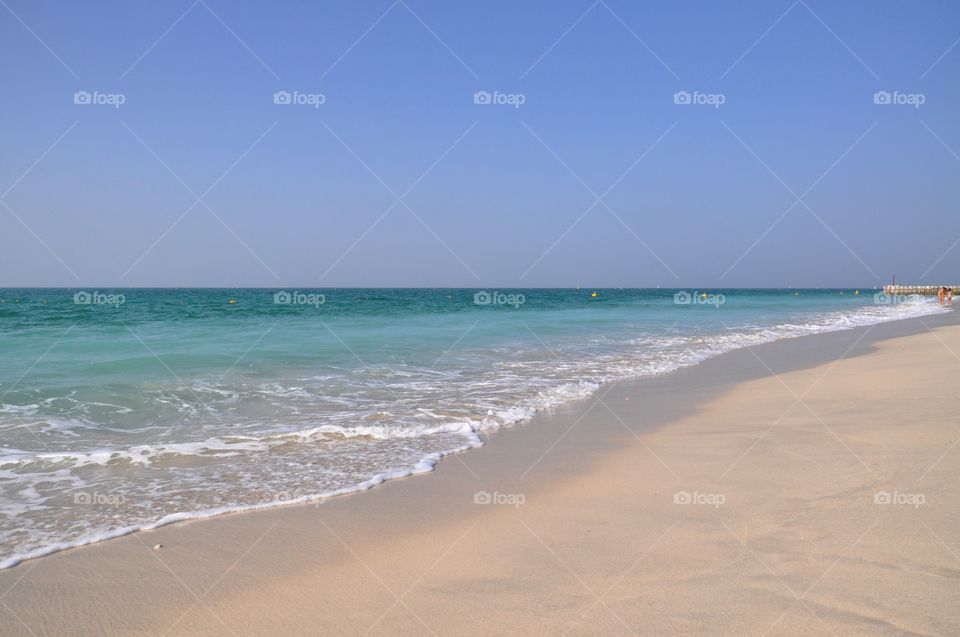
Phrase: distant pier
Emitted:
{"points": [[926, 290]]}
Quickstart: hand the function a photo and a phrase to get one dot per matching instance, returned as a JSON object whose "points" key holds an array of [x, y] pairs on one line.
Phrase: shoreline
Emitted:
{"points": [[554, 451], [474, 438]]}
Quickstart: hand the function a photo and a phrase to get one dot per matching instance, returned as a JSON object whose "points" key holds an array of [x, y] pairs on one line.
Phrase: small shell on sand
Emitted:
{"points": [[157, 547]]}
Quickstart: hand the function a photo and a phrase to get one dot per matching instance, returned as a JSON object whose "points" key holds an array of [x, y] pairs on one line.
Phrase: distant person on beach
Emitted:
{"points": [[941, 294], [948, 295]]}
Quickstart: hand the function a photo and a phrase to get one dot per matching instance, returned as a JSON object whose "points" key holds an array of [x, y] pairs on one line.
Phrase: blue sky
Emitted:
{"points": [[400, 179]]}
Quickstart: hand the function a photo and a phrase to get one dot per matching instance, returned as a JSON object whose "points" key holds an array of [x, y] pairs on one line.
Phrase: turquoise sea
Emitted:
{"points": [[130, 408]]}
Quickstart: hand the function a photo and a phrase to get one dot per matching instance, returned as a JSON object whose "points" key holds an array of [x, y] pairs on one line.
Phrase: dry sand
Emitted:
{"points": [[823, 500]]}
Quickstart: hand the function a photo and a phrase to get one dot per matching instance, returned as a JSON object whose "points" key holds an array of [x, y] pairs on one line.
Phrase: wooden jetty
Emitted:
{"points": [[926, 290]]}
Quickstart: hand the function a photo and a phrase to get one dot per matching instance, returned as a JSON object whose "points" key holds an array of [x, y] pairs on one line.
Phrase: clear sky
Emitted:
{"points": [[782, 171]]}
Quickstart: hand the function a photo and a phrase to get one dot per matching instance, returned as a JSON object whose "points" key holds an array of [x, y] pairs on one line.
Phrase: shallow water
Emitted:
{"points": [[124, 409]]}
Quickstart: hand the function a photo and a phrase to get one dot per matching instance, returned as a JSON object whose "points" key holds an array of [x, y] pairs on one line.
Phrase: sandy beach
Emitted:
{"points": [[805, 487]]}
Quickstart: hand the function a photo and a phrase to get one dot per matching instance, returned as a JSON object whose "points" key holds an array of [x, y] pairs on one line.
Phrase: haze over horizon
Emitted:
{"points": [[421, 144]]}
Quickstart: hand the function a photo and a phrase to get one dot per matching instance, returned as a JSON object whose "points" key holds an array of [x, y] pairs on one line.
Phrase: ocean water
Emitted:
{"points": [[129, 409]]}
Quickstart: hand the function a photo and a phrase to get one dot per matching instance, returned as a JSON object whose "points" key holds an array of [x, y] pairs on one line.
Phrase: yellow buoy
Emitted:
{"points": [[594, 294], [232, 301]]}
